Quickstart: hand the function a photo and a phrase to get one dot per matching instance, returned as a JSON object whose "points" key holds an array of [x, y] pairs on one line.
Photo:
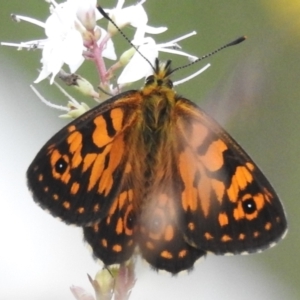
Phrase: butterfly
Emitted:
{"points": [[149, 170]]}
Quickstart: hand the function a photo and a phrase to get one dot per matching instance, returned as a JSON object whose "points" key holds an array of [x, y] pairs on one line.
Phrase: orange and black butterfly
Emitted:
{"points": [[148, 169]]}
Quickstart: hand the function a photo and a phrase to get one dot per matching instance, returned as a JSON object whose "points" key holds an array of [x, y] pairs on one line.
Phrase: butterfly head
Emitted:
{"points": [[161, 75]]}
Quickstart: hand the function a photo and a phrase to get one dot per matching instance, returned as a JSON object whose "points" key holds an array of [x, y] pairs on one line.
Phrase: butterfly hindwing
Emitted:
{"points": [[78, 173], [229, 206], [161, 240], [159, 236], [113, 239]]}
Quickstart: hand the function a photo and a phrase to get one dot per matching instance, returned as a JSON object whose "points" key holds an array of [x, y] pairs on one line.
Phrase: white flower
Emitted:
{"points": [[65, 43], [134, 15], [138, 67], [64, 48], [73, 36]]}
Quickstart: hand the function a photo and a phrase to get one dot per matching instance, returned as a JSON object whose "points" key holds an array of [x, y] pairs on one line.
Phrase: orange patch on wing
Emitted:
{"points": [[115, 156], [197, 135], [66, 176], [187, 171], [55, 156], [74, 188], [130, 195], [40, 177], [96, 208], [256, 234], [238, 213], [117, 248], [96, 227], [226, 238], [100, 135], [113, 207], [117, 116], [88, 161], [119, 227], [242, 236], [80, 210], [188, 199], [66, 205], [233, 190], [191, 226], [182, 253], [122, 197], [243, 177], [97, 170], [166, 254], [223, 219], [150, 245], [259, 200], [204, 193], [268, 226], [219, 188], [128, 168], [55, 196], [213, 159], [76, 158], [169, 233], [104, 243], [75, 141], [240, 180], [71, 128], [250, 166], [208, 236]]}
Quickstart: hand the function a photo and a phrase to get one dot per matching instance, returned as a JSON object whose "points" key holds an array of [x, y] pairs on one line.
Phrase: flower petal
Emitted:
{"points": [[138, 67], [155, 30], [72, 48]]}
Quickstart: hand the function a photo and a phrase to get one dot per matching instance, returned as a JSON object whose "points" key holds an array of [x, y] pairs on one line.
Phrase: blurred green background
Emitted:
{"points": [[252, 90]]}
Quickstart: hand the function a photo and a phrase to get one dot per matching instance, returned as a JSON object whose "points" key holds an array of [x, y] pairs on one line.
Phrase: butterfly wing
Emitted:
{"points": [[80, 170], [112, 239], [229, 206], [160, 238], [159, 234]]}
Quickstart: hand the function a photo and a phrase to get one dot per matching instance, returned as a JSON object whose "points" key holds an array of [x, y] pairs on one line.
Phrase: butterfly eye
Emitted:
{"points": [[169, 84], [61, 166], [150, 80], [249, 206]]}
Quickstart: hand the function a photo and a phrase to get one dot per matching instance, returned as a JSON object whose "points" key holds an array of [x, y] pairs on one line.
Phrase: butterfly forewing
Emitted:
{"points": [[79, 172], [229, 205]]}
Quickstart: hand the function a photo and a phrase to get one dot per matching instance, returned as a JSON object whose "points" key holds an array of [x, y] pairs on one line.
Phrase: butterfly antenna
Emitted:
{"points": [[233, 43], [106, 16]]}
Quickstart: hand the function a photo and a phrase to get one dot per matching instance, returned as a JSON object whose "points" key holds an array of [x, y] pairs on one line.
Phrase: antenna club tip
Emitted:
{"points": [[237, 41], [242, 38]]}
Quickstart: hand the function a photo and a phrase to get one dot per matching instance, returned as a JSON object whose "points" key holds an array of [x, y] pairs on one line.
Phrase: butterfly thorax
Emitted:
{"points": [[158, 99], [157, 110]]}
